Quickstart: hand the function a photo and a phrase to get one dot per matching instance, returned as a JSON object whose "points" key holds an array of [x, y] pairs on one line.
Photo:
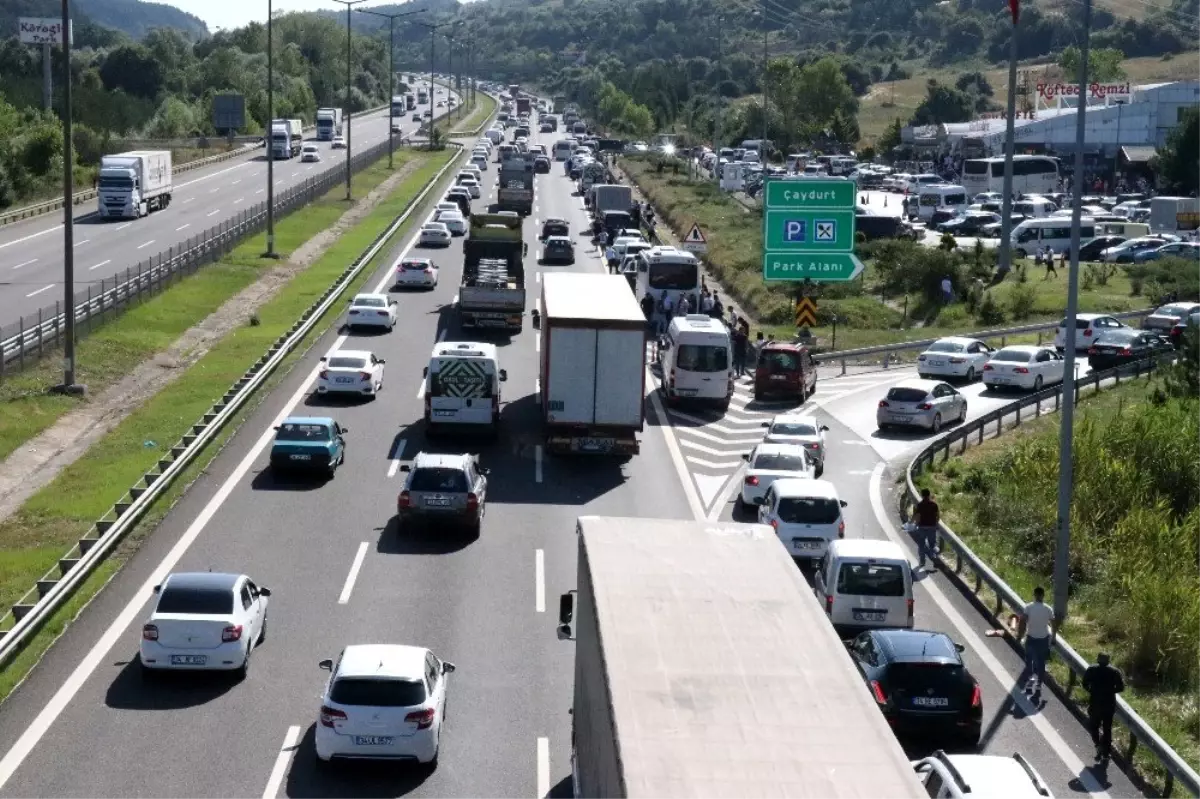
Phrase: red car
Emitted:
{"points": [[785, 370]]}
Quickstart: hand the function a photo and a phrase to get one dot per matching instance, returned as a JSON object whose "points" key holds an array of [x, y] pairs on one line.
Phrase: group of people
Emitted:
{"points": [[660, 310]]}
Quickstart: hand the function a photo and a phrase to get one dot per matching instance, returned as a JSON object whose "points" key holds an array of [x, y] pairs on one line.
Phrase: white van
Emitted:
{"points": [[563, 149], [462, 385], [1034, 207], [865, 584], [695, 358], [805, 514], [941, 197], [1052, 231], [915, 184]]}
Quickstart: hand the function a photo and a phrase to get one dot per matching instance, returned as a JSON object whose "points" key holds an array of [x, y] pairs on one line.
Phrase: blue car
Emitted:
{"points": [[309, 444], [1189, 250]]}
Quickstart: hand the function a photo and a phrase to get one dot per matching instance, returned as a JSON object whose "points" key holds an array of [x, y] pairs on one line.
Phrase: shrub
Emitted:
{"points": [[1021, 301], [990, 312]]}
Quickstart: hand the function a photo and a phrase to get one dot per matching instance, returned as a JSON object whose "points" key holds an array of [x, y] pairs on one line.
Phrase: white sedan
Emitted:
{"points": [[206, 621], [471, 185], [417, 272], [801, 430], [351, 372], [767, 463], [1024, 366], [309, 152], [954, 356], [338, 143], [454, 222], [435, 234], [372, 310]]}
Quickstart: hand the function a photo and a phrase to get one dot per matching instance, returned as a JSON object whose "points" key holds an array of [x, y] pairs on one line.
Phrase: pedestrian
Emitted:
{"points": [[947, 290], [1039, 256], [1050, 270], [610, 255], [714, 310], [664, 309], [927, 515], [732, 317], [739, 352], [685, 304], [1038, 628], [1103, 682], [759, 342], [706, 303]]}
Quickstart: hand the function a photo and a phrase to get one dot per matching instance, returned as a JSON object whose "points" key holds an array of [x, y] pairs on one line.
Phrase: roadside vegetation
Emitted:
{"points": [[468, 117], [1135, 589]]}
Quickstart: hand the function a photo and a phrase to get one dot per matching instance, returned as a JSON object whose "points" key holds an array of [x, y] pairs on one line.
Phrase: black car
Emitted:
{"points": [[1124, 346], [1091, 251], [969, 224], [541, 165], [558, 249], [920, 683], [1181, 327], [555, 227]]}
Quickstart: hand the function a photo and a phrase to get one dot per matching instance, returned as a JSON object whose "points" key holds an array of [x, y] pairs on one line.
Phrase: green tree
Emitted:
{"points": [[943, 104], [134, 69], [1104, 63], [891, 137], [1178, 165]]}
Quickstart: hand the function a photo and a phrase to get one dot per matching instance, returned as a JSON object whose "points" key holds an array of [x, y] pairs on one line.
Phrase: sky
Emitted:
{"points": [[236, 13]]}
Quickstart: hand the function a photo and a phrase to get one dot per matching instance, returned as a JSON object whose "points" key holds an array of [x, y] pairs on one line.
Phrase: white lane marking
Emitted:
{"points": [[239, 180], [213, 212], [82, 241], [537, 463], [189, 199], [214, 191], [39, 291], [183, 227], [213, 175], [260, 191], [282, 760], [30, 236], [393, 467], [353, 575], [543, 767], [681, 470], [147, 244], [538, 277], [26, 263], [238, 200], [1063, 750], [539, 580], [102, 263], [119, 228], [856, 443], [712, 464], [441, 336]]}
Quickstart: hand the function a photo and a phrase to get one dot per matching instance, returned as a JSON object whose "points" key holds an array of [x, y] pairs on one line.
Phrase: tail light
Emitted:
{"points": [[910, 608], [422, 718], [329, 715], [1127, 351], [404, 500], [1021, 370], [671, 379], [775, 525], [841, 529], [472, 504], [883, 403], [324, 375], [920, 357], [814, 445], [1087, 332], [381, 313], [231, 634], [924, 406], [1092, 350], [987, 367], [751, 480], [365, 375], [976, 696], [877, 689], [829, 603], [149, 633]]}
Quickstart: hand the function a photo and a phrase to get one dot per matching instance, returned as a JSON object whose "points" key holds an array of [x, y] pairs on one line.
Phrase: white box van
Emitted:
{"points": [[865, 585], [805, 514], [462, 385], [1052, 231], [695, 360]]}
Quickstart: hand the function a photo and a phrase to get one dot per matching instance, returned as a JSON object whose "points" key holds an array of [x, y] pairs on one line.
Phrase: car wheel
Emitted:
{"points": [[971, 374], [244, 671], [936, 425], [962, 415], [1037, 384]]}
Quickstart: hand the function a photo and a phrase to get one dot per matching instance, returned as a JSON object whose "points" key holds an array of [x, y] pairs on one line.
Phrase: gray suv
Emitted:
{"points": [[447, 489]]}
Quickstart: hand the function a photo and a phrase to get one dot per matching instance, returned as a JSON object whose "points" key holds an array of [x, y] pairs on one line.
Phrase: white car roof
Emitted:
{"points": [[795, 418], [798, 487], [371, 296], [994, 776], [464, 349], [435, 226], [309, 146], [1031, 349], [957, 340], [780, 449], [383, 660], [866, 548], [1086, 316], [916, 382], [350, 354]]}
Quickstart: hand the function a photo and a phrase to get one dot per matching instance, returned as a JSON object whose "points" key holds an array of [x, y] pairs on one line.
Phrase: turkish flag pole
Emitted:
{"points": [[1005, 256]]}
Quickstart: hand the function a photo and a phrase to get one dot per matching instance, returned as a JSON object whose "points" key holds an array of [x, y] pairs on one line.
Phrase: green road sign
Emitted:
{"points": [[805, 231], [816, 266], [808, 230]]}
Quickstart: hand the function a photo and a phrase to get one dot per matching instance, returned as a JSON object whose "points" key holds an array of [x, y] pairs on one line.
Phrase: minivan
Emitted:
{"points": [[865, 584], [785, 370], [805, 514], [695, 360]]}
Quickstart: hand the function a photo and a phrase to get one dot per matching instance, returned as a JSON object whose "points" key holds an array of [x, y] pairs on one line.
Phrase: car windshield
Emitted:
{"points": [[808, 510], [673, 276], [907, 394], [779, 362], [346, 363], [792, 429], [946, 346], [435, 227], [372, 692], [1175, 309], [414, 266], [196, 601], [774, 461], [292, 431], [871, 579], [439, 479], [702, 358], [370, 302], [1012, 356]]}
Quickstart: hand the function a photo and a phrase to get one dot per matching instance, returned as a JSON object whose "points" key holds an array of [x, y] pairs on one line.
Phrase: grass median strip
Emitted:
{"points": [[51, 520], [485, 106]]}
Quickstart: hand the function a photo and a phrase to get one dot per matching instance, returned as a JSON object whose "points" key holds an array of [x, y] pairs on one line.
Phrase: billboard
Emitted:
{"points": [[229, 112], [43, 30]]}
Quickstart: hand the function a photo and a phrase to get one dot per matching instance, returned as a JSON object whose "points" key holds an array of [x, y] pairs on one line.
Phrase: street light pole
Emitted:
{"points": [[270, 253], [69, 386], [346, 114], [391, 18], [1004, 263], [433, 29]]}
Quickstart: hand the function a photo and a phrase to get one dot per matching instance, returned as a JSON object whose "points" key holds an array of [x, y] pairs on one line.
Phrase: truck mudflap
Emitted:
{"points": [[499, 320], [592, 442]]}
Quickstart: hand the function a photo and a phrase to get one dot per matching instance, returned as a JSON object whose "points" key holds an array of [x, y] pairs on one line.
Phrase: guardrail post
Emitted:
{"points": [[21, 339], [88, 316], [40, 331], [1003, 341], [1018, 416], [887, 356], [843, 367]]}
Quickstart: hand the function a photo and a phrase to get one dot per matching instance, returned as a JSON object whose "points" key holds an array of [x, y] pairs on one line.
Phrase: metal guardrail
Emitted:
{"points": [[980, 574], [37, 209], [25, 341], [57, 585]]}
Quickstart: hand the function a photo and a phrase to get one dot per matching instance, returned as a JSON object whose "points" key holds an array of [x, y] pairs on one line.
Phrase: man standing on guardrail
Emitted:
{"points": [[927, 515], [1103, 682], [1038, 627]]}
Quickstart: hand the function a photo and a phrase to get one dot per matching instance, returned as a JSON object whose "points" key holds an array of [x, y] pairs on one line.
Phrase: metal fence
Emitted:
{"points": [[972, 574], [29, 338]]}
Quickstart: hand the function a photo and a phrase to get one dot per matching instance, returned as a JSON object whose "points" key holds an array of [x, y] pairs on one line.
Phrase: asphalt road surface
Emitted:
{"points": [[84, 724], [31, 252]]}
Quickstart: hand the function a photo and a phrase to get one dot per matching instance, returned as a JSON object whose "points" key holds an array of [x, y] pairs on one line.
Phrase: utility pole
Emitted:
{"points": [[1066, 432], [449, 72], [766, 56], [720, 103], [69, 386], [433, 29], [1005, 258], [346, 114], [270, 253], [391, 18]]}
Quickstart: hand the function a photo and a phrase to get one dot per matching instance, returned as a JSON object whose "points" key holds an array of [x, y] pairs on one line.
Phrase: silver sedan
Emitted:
{"points": [[921, 403]]}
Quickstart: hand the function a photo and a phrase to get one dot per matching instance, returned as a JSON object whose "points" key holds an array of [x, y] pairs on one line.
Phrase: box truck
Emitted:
{"points": [[133, 184], [329, 123], [286, 137], [1174, 214], [593, 367]]}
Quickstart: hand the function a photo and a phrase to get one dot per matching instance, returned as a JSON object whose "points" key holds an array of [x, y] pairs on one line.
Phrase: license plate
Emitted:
{"points": [[595, 444], [779, 377], [686, 392], [443, 413], [302, 457], [345, 380], [373, 740], [870, 615], [188, 660], [930, 701], [999, 379], [802, 544], [901, 417], [438, 503], [937, 363]]}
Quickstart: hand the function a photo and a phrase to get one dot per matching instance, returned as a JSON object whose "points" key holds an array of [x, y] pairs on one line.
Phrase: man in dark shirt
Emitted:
{"points": [[1103, 682], [927, 515], [739, 352]]}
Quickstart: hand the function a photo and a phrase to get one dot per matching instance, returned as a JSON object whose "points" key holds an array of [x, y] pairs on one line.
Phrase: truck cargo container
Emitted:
{"points": [[492, 293], [131, 185], [515, 185], [287, 135], [1174, 214], [593, 364], [610, 197], [705, 667]]}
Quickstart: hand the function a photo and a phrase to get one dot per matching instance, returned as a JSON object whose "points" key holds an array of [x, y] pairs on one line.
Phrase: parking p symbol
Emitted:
{"points": [[795, 230]]}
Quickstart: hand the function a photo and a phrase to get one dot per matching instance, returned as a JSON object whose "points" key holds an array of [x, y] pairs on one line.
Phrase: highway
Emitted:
{"points": [[341, 574], [31, 252]]}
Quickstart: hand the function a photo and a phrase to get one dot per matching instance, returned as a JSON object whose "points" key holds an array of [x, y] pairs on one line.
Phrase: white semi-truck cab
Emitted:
{"points": [[133, 184]]}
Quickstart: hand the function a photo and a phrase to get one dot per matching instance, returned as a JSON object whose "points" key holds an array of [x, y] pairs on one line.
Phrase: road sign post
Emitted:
{"points": [[808, 230], [695, 242]]}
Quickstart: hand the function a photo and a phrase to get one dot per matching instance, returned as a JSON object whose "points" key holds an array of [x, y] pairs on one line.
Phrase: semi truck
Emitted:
{"points": [[286, 137], [705, 666], [133, 184], [329, 122], [610, 197], [422, 96], [593, 365], [524, 106], [515, 192], [410, 102], [1174, 214], [492, 293]]}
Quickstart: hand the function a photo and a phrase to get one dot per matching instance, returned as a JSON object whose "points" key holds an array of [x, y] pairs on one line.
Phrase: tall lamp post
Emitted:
{"points": [[433, 29], [391, 18], [270, 253], [346, 114], [69, 386]]}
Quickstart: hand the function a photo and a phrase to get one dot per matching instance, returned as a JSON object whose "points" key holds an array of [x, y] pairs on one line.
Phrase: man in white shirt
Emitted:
{"points": [[1038, 628]]}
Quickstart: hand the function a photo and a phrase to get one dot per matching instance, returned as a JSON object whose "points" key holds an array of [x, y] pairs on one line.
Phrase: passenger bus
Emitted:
{"points": [[1032, 174], [667, 269]]}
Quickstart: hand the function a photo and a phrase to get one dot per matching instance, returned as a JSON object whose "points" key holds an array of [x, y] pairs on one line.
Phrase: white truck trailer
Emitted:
{"points": [[287, 135], [329, 123], [705, 667], [1174, 214], [133, 184], [593, 368]]}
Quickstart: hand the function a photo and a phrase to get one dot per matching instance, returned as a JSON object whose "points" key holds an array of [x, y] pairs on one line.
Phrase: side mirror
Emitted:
{"points": [[381, 360], [760, 500], [275, 428], [447, 668], [485, 471], [843, 503], [264, 592], [326, 664], [157, 588], [746, 457], [324, 358], [344, 430], [960, 647], [425, 372], [503, 375], [405, 468], [765, 424], [394, 302], [566, 608], [824, 428]]}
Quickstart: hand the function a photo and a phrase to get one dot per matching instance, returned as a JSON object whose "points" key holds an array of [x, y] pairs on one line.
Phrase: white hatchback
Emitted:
{"points": [[801, 430], [350, 372], [767, 463], [417, 272], [383, 702], [471, 185], [1024, 366], [372, 310], [310, 152], [1088, 327], [954, 356], [480, 160]]}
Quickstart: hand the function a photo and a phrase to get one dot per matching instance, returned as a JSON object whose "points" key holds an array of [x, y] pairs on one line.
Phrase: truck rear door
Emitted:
{"points": [[461, 391]]}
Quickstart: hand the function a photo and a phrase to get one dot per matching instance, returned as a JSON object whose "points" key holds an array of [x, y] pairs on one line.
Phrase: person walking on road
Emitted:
{"points": [[1038, 627], [651, 324], [1050, 270], [1103, 682], [927, 515], [610, 256], [740, 343]]}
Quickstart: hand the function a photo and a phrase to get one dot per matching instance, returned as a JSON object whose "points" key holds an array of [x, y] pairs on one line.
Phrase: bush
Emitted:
{"points": [[1167, 275], [990, 312], [1021, 301]]}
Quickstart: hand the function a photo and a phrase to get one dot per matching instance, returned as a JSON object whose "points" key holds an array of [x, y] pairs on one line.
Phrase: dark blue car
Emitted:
{"points": [[310, 444]]}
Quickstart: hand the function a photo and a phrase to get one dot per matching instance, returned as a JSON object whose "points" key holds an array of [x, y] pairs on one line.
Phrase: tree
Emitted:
{"points": [[943, 104], [1104, 63], [134, 69], [1178, 165], [891, 137]]}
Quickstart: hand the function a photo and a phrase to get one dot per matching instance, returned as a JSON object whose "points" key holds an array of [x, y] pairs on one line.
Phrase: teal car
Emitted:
{"points": [[309, 444]]}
